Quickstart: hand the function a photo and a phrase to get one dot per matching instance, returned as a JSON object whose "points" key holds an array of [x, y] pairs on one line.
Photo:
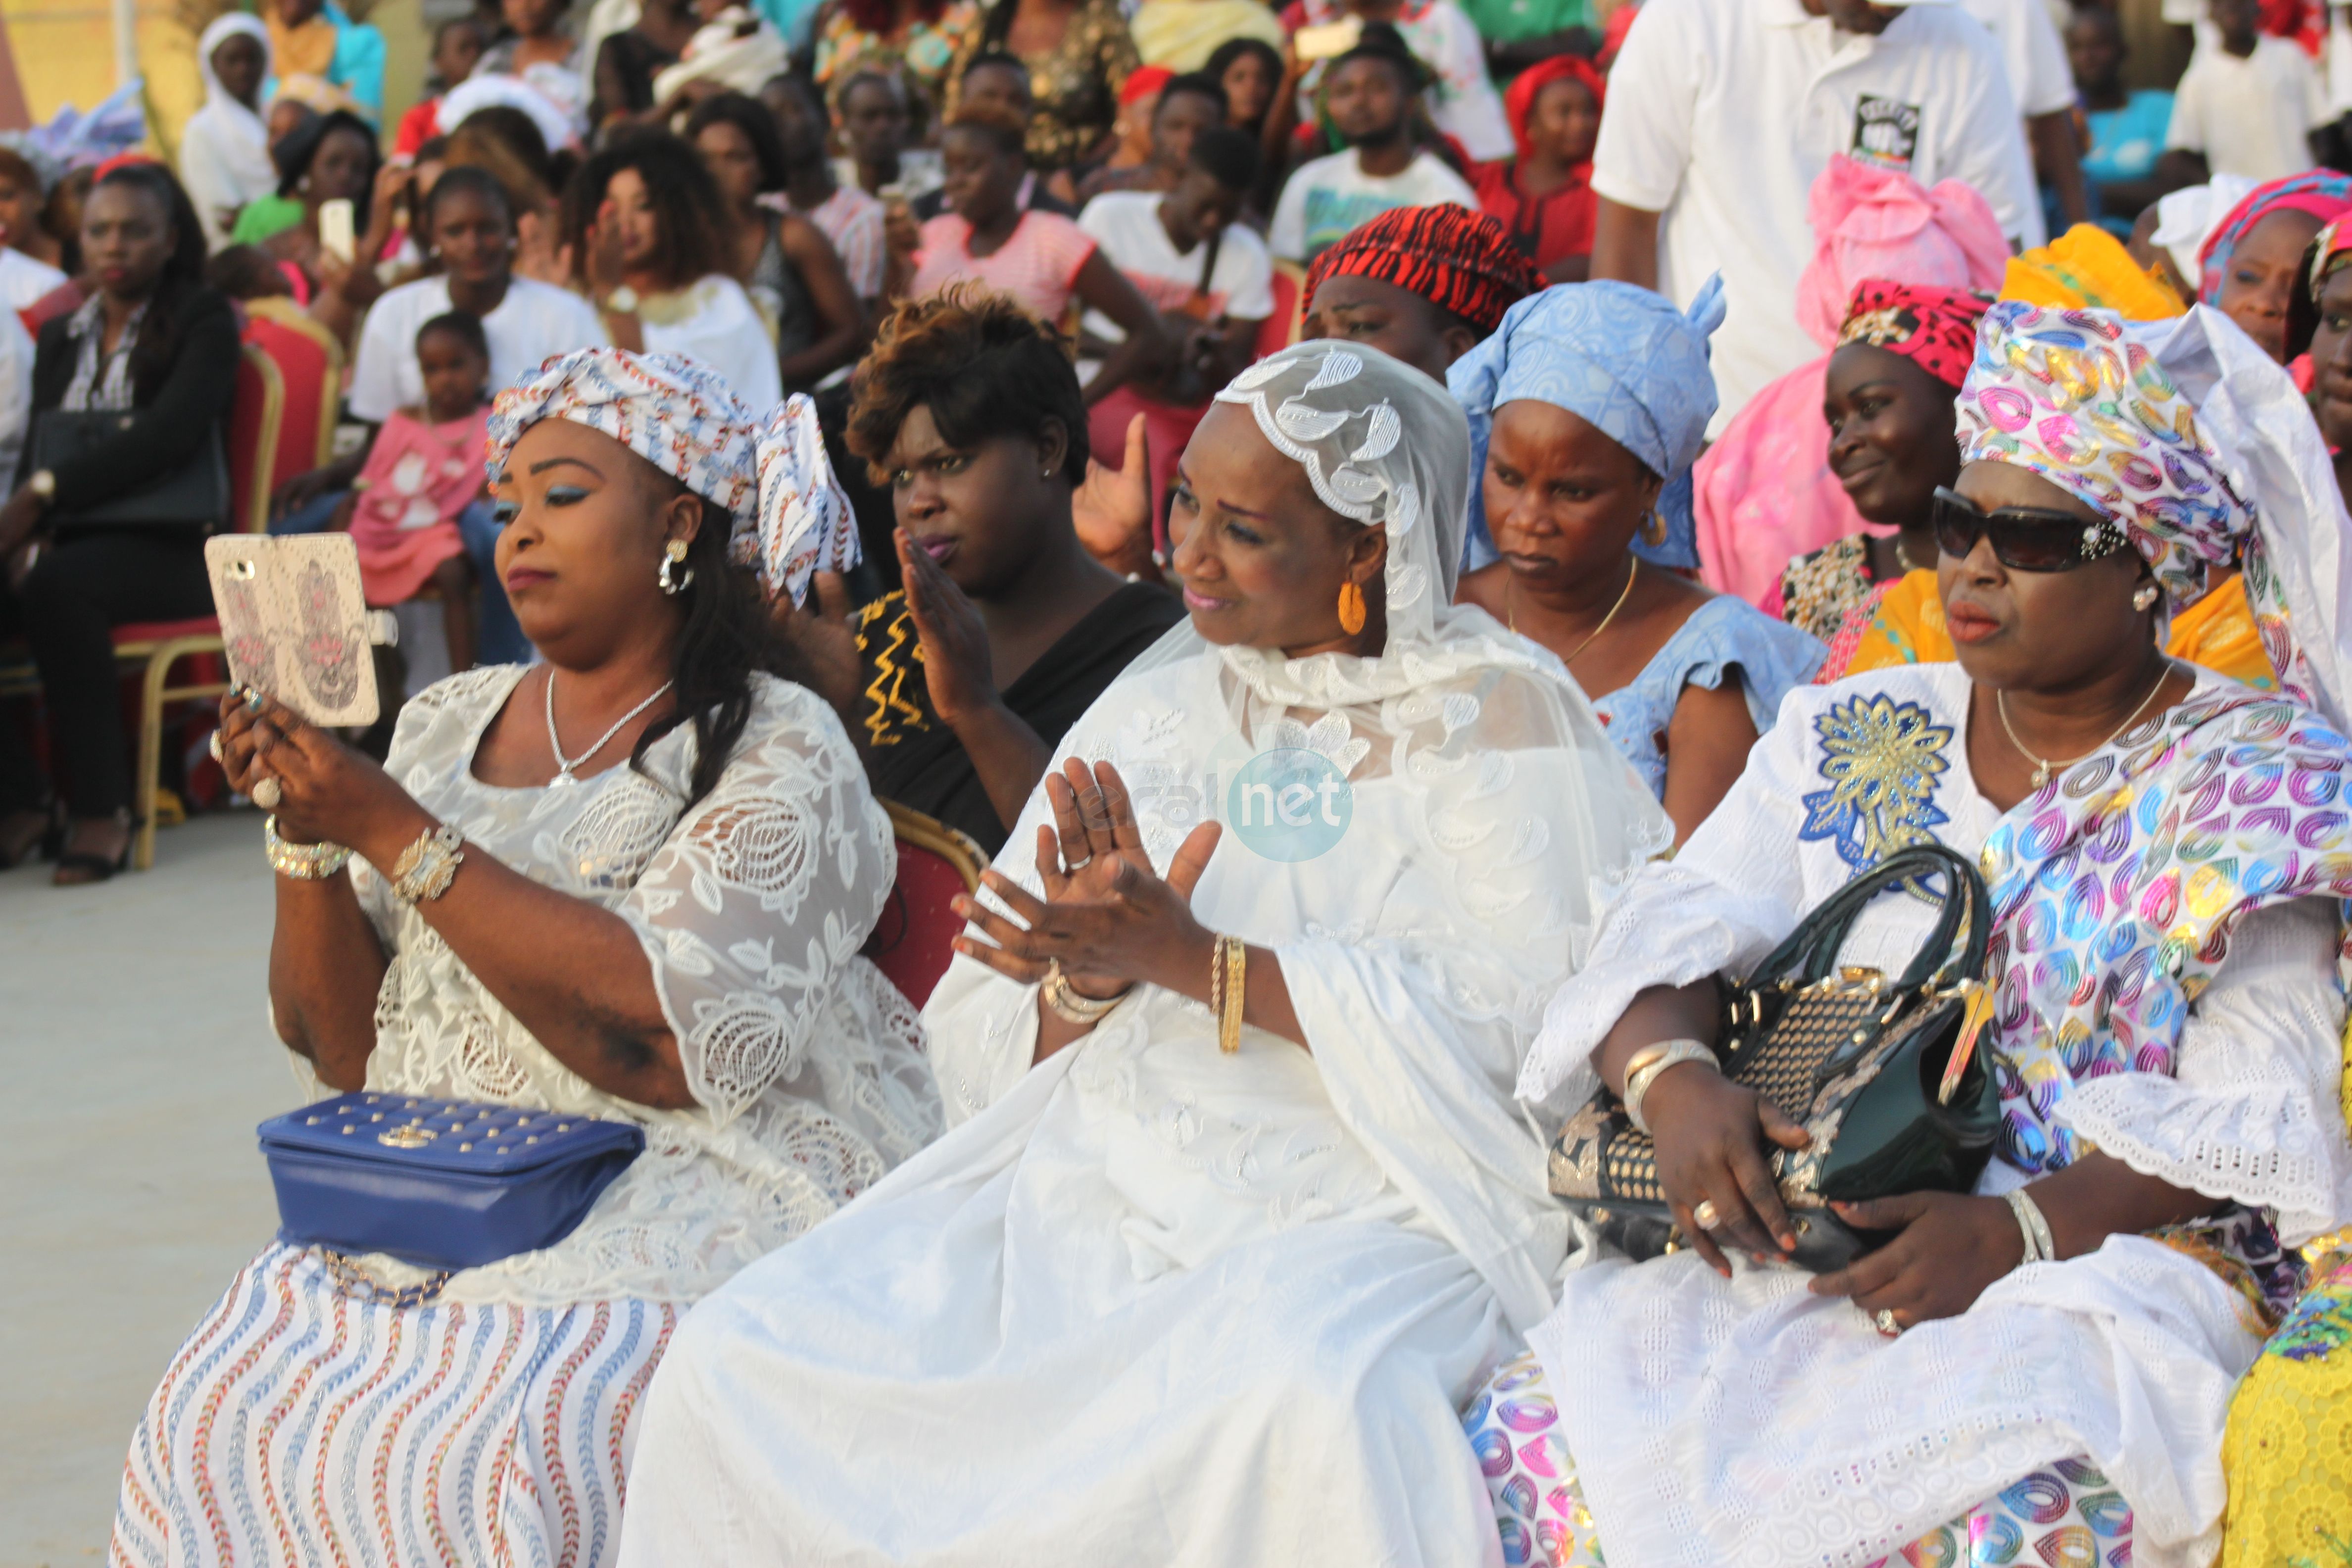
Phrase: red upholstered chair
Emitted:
{"points": [[310, 364], [1281, 329], [915, 937]]}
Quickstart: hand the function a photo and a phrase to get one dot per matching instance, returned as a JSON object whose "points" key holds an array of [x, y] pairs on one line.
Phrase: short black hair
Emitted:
{"points": [[457, 180], [684, 201], [1002, 126], [981, 365], [462, 324], [759, 128], [293, 154], [1004, 59], [1381, 41], [1199, 84], [1228, 156]]}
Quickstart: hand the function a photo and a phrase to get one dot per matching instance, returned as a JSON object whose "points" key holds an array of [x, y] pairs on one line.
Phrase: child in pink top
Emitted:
{"points": [[424, 469]]}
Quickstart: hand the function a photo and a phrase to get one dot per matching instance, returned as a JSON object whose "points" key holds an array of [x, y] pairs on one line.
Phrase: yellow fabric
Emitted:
{"points": [[2088, 266], [306, 51], [2217, 632], [1182, 34]]}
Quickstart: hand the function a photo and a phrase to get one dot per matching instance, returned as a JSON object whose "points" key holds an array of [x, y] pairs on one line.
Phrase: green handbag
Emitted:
{"points": [[1886, 1078]]}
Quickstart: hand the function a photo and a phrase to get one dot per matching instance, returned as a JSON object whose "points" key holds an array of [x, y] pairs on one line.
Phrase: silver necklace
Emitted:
{"points": [[2041, 769], [563, 764]]}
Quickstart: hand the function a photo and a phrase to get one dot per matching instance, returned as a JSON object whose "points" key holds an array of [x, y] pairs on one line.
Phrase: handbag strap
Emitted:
{"points": [[1811, 952]]}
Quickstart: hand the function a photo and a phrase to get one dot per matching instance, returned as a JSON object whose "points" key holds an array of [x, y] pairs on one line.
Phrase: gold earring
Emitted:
{"points": [[1653, 528], [674, 555], [2146, 598], [1351, 608]]}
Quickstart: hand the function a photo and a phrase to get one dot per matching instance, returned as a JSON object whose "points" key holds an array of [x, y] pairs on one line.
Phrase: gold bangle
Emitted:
{"points": [[1072, 1006], [303, 862], [1229, 990]]}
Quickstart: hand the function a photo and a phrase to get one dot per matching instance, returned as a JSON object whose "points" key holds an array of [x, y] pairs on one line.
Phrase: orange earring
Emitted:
{"points": [[1351, 608]]}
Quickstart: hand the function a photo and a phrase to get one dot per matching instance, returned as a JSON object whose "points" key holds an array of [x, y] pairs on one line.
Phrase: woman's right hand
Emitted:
{"points": [[954, 639], [604, 247], [1711, 1135]]}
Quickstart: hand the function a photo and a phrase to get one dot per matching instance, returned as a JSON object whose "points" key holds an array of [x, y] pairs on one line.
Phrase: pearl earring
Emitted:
{"points": [[2146, 598]]}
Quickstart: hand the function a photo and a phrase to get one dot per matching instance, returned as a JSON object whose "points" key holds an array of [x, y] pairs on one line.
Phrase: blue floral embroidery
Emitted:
{"points": [[1882, 760]]}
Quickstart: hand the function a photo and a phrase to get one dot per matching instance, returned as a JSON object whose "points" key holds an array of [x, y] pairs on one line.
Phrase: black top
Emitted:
{"points": [[917, 761], [174, 414]]}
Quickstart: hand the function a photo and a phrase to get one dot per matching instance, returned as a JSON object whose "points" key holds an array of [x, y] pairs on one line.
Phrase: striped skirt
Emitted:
{"points": [[300, 1426]]}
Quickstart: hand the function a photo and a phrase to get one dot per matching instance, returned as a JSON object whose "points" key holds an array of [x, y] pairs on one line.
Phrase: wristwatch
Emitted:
{"points": [[43, 484], [621, 301]]}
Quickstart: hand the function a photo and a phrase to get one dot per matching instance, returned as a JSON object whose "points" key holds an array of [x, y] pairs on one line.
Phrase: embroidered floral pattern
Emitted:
{"points": [[1882, 760]]}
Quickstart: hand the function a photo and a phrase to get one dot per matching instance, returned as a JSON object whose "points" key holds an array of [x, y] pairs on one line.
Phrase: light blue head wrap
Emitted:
{"points": [[1623, 360]]}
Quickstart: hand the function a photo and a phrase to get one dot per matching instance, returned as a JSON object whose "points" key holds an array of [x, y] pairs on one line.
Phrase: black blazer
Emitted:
{"points": [[170, 420]]}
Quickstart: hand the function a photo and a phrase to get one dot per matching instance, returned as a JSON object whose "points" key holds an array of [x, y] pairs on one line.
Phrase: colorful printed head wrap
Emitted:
{"points": [[1934, 329], [2190, 435], [1520, 102], [679, 416], [2088, 268], [804, 524], [2329, 252], [1459, 260], [2322, 192], [1621, 358]]}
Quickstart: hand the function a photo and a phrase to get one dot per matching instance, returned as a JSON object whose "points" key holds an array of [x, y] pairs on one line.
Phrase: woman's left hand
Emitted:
{"points": [[327, 792], [1106, 916], [1949, 1249]]}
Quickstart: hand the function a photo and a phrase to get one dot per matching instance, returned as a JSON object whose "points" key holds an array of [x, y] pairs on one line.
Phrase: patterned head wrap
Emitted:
{"points": [[1623, 360], [1459, 260], [1934, 329], [2329, 252], [2194, 440], [804, 524], [2087, 267], [2322, 192], [679, 416], [1520, 102]]}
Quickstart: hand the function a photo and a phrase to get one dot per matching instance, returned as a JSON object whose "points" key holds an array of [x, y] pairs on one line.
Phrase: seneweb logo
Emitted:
{"points": [[1289, 804]]}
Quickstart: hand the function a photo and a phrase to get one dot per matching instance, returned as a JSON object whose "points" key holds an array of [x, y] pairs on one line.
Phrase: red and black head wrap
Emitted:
{"points": [[1934, 329], [1459, 260]]}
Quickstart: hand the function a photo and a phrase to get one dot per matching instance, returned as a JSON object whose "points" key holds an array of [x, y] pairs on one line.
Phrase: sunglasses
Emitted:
{"points": [[2024, 538]]}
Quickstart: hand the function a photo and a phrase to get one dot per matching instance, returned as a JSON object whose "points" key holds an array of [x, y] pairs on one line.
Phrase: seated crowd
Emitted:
{"points": [[1051, 432]]}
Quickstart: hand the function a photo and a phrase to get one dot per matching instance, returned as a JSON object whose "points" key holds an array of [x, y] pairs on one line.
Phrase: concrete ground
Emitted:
{"points": [[136, 1055]]}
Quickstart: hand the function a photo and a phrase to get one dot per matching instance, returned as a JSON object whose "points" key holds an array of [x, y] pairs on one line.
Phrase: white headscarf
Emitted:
{"points": [[804, 524], [225, 147]]}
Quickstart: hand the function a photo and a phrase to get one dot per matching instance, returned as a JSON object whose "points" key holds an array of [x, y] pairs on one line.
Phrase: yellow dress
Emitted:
{"points": [[1906, 627]]}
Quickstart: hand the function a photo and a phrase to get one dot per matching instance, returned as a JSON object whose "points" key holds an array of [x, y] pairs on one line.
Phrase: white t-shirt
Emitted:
{"points": [[1722, 113], [1326, 197], [715, 321], [24, 280], [2031, 49], [534, 322], [2249, 116], [1125, 226]]}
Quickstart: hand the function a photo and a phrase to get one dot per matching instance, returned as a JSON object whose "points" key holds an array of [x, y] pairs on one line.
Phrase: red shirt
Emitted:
{"points": [[1547, 227]]}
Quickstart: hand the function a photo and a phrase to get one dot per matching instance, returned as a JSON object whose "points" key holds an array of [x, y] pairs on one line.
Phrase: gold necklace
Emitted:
{"points": [[2042, 768], [1511, 616]]}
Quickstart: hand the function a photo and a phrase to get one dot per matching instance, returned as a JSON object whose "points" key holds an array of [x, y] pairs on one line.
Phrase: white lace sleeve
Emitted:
{"points": [[1734, 890], [759, 897], [2251, 1112]]}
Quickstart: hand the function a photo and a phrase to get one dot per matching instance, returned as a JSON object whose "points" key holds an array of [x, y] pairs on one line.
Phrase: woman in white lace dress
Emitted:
{"points": [[2039, 1370], [1151, 1301], [666, 863]]}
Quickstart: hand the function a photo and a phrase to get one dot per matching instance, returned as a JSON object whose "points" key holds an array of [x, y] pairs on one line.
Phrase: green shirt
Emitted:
{"points": [[264, 217], [1508, 21]]}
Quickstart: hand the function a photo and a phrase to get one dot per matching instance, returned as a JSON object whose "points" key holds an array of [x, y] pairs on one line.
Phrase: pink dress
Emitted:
{"points": [[418, 478], [1038, 265]]}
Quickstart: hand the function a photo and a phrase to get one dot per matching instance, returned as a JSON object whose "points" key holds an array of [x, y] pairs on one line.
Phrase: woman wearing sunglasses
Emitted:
{"points": [[2039, 1368], [1901, 357]]}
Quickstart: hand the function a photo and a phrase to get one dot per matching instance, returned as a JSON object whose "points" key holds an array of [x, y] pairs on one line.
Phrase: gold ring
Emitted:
{"points": [[1705, 1215]]}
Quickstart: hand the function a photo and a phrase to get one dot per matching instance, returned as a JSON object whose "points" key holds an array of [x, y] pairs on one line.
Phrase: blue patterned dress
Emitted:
{"points": [[1726, 634]]}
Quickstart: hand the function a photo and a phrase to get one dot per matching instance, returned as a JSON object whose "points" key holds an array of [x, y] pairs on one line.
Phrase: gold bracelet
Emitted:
{"points": [[427, 868], [303, 862], [1229, 990]]}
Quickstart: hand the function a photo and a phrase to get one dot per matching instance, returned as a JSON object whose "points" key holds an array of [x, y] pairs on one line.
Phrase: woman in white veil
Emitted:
{"points": [[225, 147], [1150, 1300]]}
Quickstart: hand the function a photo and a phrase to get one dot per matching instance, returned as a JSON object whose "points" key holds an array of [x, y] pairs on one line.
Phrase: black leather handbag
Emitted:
{"points": [[1886, 1078], [195, 494]]}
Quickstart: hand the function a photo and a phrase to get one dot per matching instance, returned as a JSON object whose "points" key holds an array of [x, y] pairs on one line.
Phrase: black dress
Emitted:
{"points": [[914, 759]]}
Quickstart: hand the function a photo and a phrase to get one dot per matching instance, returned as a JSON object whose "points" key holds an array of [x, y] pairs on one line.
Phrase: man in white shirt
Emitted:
{"points": [[1206, 273], [1371, 93], [2246, 105], [2041, 79], [1721, 115]]}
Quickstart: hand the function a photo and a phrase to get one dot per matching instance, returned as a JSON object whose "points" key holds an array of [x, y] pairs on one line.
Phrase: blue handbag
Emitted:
{"points": [[444, 1183]]}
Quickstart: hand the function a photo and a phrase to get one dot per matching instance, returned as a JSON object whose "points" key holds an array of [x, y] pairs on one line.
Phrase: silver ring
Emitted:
{"points": [[1072, 867], [1884, 1318], [265, 793], [1705, 1214], [217, 750]]}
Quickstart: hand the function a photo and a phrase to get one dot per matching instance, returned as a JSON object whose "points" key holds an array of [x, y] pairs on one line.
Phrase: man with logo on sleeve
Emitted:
{"points": [[1722, 113]]}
